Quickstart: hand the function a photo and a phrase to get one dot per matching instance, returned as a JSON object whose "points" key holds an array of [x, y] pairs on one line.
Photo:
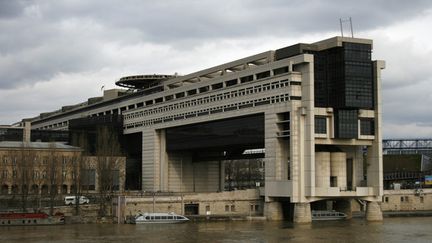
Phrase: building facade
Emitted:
{"points": [[39, 168], [313, 109]]}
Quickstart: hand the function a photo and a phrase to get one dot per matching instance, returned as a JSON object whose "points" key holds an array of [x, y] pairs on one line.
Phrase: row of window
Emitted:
{"points": [[367, 125], [214, 110], [403, 199], [4, 174], [228, 83], [37, 160], [213, 98]]}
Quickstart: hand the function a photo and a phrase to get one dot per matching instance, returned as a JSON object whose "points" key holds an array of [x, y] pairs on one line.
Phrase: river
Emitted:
{"points": [[415, 229]]}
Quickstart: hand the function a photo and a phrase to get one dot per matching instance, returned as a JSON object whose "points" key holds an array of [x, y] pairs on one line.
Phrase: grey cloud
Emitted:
{"points": [[10, 9], [24, 57], [40, 39]]}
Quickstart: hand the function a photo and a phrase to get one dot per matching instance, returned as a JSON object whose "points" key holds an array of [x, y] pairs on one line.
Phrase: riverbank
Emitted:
{"points": [[390, 214]]}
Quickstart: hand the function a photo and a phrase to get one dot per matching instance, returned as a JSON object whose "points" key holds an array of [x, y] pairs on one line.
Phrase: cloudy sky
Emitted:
{"points": [[60, 52]]}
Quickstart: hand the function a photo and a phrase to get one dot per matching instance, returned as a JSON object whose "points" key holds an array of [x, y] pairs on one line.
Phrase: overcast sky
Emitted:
{"points": [[55, 53]]}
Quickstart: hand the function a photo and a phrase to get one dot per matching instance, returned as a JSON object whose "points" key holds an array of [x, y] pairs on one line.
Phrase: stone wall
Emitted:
{"points": [[231, 203], [407, 200]]}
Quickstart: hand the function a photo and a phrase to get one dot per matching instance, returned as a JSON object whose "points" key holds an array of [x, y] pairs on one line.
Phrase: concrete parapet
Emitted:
{"points": [[373, 212], [302, 213]]}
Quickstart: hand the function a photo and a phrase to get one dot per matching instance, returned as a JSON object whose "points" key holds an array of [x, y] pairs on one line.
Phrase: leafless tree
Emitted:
{"points": [[22, 164], [53, 168], [107, 152], [76, 167]]}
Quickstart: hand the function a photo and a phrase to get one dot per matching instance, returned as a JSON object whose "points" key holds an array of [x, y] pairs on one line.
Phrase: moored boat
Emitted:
{"points": [[327, 215], [164, 218], [12, 218]]}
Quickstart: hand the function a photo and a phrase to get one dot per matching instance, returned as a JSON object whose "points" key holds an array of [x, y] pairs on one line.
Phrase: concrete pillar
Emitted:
{"points": [[338, 168], [221, 175], [151, 160], [273, 210], [9, 189], [163, 160], [322, 169], [373, 212], [302, 213], [27, 131], [344, 206]]}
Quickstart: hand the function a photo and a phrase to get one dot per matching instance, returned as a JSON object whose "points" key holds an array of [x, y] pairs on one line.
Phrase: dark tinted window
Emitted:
{"points": [[320, 124], [367, 127], [346, 124]]}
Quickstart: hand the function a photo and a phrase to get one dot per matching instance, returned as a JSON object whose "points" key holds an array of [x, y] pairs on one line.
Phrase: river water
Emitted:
{"points": [[416, 229]]}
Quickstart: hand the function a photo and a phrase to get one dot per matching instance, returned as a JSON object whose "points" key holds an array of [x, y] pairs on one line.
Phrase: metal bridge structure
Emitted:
{"points": [[407, 146]]}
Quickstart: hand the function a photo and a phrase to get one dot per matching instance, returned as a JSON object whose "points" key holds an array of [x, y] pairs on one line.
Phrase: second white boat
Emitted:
{"points": [[164, 218]]}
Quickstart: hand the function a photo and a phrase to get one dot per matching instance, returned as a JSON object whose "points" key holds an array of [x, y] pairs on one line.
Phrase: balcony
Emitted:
{"points": [[343, 192]]}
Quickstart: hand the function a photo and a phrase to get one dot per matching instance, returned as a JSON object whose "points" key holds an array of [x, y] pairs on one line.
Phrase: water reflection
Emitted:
{"points": [[355, 230]]}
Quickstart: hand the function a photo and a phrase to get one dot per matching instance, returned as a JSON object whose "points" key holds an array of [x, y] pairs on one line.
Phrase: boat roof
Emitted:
{"points": [[160, 214]]}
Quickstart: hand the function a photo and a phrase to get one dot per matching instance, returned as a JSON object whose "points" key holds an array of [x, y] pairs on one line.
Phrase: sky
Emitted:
{"points": [[55, 53]]}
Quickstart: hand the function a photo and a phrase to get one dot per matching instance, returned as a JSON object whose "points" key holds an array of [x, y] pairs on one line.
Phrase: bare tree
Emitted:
{"points": [[20, 165], [107, 152], [76, 169], [53, 168], [25, 166]]}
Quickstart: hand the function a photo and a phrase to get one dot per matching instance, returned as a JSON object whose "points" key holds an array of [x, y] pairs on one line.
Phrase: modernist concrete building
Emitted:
{"points": [[314, 109]]}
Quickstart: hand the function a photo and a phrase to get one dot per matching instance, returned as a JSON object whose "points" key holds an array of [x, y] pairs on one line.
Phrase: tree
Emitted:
{"points": [[107, 166], [53, 168], [77, 165]]}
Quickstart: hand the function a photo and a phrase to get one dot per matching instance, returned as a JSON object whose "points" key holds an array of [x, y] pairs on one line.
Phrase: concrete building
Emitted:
{"points": [[313, 109]]}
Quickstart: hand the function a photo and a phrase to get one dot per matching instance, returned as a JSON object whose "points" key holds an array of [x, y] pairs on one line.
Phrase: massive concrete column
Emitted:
{"points": [[180, 172], [153, 160], [338, 168], [308, 115], [322, 169], [373, 212], [374, 152], [302, 213]]}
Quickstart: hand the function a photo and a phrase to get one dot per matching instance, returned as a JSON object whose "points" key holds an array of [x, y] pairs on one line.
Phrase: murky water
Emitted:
{"points": [[355, 230]]}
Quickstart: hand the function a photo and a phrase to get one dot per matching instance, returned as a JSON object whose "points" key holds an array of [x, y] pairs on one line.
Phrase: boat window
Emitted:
{"points": [[147, 217], [157, 217]]}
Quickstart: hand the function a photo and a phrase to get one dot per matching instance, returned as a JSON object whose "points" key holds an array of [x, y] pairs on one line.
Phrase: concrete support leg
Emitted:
{"points": [[273, 210], [373, 212], [302, 213], [344, 206]]}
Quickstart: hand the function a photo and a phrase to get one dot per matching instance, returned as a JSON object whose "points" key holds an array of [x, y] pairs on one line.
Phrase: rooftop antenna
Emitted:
{"points": [[346, 20]]}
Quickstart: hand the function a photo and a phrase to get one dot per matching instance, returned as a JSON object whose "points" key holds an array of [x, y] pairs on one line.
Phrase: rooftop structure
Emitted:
{"points": [[142, 81]]}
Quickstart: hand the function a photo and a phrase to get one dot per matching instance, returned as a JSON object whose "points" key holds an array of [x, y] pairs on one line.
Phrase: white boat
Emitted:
{"points": [[327, 215], [161, 218]]}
